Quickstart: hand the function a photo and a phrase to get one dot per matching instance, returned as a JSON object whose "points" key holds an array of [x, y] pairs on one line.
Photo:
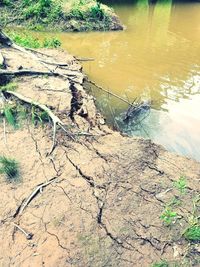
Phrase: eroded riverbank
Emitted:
{"points": [[100, 197], [156, 59]]}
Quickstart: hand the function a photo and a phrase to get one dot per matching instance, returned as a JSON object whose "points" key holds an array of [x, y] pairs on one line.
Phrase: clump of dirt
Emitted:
{"points": [[102, 199]]}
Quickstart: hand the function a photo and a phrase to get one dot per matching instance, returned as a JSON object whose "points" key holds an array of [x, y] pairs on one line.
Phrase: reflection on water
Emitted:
{"points": [[157, 58]]}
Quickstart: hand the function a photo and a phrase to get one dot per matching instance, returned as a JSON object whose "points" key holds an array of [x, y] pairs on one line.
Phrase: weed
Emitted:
{"points": [[9, 167], [192, 233], [162, 263], [181, 184], [168, 216]]}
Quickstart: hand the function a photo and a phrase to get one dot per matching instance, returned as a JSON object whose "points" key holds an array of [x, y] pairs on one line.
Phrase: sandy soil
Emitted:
{"points": [[108, 191]]}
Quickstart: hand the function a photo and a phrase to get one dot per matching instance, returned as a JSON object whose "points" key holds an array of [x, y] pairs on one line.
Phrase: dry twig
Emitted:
{"points": [[37, 190]]}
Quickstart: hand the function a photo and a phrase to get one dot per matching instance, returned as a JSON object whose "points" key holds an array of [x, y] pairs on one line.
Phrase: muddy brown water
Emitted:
{"points": [[156, 59]]}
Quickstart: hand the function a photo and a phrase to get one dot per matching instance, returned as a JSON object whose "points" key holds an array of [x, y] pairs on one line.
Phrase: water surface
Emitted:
{"points": [[156, 58]]}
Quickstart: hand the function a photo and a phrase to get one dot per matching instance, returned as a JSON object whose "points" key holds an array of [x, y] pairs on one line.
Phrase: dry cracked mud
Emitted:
{"points": [[103, 193]]}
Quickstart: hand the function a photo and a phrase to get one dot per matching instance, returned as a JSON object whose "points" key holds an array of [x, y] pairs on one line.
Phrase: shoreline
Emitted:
{"points": [[103, 194]]}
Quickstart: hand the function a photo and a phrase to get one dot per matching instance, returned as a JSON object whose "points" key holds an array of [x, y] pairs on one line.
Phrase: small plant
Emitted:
{"points": [[9, 167], [193, 233], [168, 216], [161, 264], [181, 184]]}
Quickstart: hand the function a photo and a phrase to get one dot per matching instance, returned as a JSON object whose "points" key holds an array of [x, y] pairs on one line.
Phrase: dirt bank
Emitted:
{"points": [[56, 15], [100, 195]]}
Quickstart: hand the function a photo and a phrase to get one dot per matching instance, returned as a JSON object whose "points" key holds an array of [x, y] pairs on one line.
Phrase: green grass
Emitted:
{"points": [[9, 87], [42, 10], [9, 113], [9, 167], [15, 112], [29, 41], [161, 264], [168, 216], [193, 233]]}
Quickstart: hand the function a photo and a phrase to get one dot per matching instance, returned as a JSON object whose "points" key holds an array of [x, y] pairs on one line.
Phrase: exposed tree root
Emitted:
{"points": [[29, 236], [36, 72], [38, 189], [56, 121], [84, 59], [5, 40]]}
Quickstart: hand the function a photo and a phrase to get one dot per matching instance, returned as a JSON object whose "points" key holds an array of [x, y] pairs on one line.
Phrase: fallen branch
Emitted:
{"points": [[37, 190], [84, 59], [56, 121], [29, 236], [36, 72], [70, 75], [26, 72]]}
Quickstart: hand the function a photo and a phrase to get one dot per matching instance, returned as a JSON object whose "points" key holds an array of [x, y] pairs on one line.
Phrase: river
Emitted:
{"points": [[156, 59]]}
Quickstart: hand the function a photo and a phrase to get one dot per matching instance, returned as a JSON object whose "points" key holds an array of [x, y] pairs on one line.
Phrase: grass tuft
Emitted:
{"points": [[168, 216], [9, 167], [10, 116], [9, 87], [29, 41], [161, 264], [193, 233]]}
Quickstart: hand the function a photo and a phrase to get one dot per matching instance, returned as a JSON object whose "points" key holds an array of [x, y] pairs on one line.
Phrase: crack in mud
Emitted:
{"points": [[58, 240], [87, 178]]}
